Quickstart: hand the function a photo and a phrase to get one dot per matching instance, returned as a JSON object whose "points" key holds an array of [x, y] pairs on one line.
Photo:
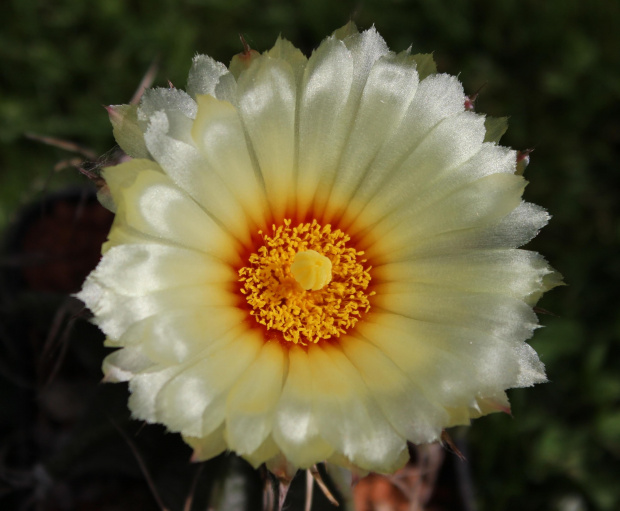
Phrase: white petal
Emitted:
{"points": [[483, 202], [451, 143], [499, 315], [218, 134], [295, 427], [366, 48], [347, 415], [207, 446], [267, 451], [450, 365], [136, 269], [144, 388], [123, 364], [517, 273], [286, 51], [514, 230], [204, 75], [251, 402], [531, 369], [324, 117], [189, 171], [437, 97], [115, 313], [389, 89], [152, 204], [266, 98], [192, 402], [404, 404], [178, 106], [175, 336]]}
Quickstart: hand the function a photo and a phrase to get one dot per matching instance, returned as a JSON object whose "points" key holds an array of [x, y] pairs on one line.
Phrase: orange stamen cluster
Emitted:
{"points": [[279, 302]]}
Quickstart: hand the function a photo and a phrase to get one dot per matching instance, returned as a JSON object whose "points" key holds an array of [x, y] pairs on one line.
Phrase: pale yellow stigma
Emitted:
{"points": [[306, 282], [311, 270]]}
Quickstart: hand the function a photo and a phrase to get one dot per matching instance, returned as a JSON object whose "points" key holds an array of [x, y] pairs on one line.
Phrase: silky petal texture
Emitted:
{"points": [[411, 414], [218, 134], [517, 273], [390, 87], [177, 106], [497, 195], [207, 446], [176, 336], [324, 113], [347, 415], [188, 170], [153, 205], [266, 95], [204, 76], [250, 407], [295, 428], [376, 144], [193, 402]]}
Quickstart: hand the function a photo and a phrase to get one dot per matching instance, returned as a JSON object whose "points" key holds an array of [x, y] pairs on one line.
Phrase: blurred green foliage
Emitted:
{"points": [[552, 66]]}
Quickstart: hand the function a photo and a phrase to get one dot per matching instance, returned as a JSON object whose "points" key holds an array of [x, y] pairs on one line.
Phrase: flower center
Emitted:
{"points": [[305, 282]]}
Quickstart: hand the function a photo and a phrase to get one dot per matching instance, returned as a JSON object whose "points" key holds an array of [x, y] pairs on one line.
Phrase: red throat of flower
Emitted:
{"points": [[306, 283]]}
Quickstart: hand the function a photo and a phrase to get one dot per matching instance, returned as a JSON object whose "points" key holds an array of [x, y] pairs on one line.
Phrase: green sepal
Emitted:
{"points": [[127, 132], [496, 127], [425, 64]]}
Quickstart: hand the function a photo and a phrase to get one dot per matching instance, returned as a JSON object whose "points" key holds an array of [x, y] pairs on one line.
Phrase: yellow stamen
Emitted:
{"points": [[305, 282]]}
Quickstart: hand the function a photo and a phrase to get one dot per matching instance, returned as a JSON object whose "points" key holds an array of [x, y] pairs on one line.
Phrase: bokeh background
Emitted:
{"points": [[553, 66]]}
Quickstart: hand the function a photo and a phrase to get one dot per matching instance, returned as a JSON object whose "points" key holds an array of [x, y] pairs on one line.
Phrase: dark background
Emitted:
{"points": [[553, 66]]}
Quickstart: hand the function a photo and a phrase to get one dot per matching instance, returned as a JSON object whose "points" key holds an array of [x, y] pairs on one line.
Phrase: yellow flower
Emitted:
{"points": [[316, 258]]}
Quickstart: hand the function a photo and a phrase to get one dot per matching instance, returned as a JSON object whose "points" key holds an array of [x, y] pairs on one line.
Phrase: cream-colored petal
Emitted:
{"points": [[176, 336], [144, 388], [114, 313], [123, 364], [499, 315], [192, 402], [514, 230], [455, 361], [448, 145], [155, 206], [137, 269], [187, 168], [267, 451], [449, 371], [286, 51], [483, 202], [366, 48], [531, 369], [437, 98], [389, 89], [347, 415], [405, 405], [517, 273], [179, 109], [207, 446], [218, 134], [295, 427], [324, 116], [204, 75], [252, 401], [267, 104]]}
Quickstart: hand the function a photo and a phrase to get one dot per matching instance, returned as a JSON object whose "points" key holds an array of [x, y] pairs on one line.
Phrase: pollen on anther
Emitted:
{"points": [[305, 282]]}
